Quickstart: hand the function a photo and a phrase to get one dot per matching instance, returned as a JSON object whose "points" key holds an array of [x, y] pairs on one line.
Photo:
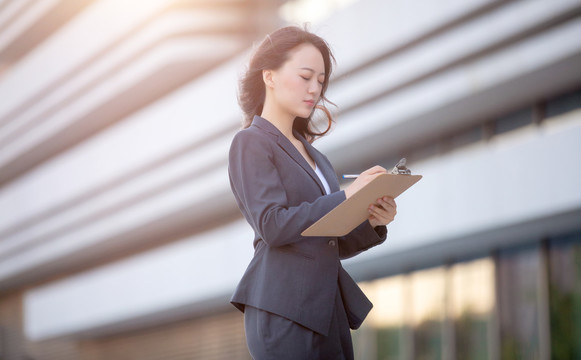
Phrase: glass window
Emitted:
{"points": [[519, 303], [427, 315], [381, 336], [522, 305], [565, 297], [466, 137], [563, 104], [513, 120], [389, 321], [472, 298]]}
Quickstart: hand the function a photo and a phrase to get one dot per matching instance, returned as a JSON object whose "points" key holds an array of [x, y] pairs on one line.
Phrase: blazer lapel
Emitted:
{"points": [[291, 150], [323, 164], [298, 157]]}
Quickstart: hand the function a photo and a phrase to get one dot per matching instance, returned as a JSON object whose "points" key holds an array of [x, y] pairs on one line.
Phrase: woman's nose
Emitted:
{"points": [[314, 87]]}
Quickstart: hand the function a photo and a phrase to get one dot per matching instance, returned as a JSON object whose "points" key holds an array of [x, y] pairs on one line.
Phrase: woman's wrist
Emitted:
{"points": [[347, 193]]}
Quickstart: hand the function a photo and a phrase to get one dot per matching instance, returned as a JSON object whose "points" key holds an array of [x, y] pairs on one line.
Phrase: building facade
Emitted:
{"points": [[120, 239]]}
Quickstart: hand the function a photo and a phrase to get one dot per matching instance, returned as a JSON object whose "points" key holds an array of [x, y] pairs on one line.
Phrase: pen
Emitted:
{"points": [[399, 168]]}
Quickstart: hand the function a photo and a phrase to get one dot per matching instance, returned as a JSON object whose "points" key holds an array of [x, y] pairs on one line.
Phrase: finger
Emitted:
{"points": [[388, 211], [382, 204], [380, 220], [367, 177], [374, 216], [387, 201], [381, 213], [375, 170]]}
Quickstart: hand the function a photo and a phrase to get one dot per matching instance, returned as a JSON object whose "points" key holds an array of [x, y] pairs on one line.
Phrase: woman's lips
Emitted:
{"points": [[311, 103]]}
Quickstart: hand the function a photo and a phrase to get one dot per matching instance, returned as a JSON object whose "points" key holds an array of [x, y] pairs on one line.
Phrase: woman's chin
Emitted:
{"points": [[305, 114]]}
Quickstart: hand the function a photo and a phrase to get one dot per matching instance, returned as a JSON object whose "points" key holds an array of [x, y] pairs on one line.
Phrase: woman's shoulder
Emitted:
{"points": [[251, 133], [251, 137]]}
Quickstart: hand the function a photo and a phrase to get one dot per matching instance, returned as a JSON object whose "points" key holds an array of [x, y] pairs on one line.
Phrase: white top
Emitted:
{"points": [[323, 180]]}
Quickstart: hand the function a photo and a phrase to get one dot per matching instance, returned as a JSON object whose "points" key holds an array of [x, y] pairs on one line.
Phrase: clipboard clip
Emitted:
{"points": [[400, 168]]}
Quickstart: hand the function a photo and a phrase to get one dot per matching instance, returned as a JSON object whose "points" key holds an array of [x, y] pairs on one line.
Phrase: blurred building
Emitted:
{"points": [[120, 239]]}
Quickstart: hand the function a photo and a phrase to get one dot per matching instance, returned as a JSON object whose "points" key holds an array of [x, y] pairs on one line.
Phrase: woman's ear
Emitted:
{"points": [[267, 78]]}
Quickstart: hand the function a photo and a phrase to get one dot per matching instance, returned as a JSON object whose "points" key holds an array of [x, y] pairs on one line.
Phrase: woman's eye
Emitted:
{"points": [[306, 78]]}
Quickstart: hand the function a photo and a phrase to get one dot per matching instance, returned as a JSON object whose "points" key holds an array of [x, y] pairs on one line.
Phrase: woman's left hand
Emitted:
{"points": [[383, 212]]}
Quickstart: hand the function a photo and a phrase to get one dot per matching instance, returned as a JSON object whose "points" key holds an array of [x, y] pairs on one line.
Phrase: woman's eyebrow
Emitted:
{"points": [[311, 70]]}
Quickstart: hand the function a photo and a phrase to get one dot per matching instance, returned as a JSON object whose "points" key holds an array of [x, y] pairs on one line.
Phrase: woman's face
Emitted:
{"points": [[297, 84]]}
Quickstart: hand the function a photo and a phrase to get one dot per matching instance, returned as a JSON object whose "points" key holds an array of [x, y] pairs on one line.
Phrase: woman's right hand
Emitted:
{"points": [[363, 179]]}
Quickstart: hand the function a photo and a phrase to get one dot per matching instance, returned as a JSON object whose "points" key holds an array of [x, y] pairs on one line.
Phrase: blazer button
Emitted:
{"points": [[332, 242]]}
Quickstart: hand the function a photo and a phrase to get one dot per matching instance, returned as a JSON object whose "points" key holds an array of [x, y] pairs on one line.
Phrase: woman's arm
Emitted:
{"points": [[371, 232], [260, 194], [362, 238]]}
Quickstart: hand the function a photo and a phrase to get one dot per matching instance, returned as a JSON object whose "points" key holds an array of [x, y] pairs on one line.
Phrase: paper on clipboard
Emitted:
{"points": [[353, 211]]}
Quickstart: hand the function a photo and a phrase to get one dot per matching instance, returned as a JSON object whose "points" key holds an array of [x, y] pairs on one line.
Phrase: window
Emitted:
{"points": [[565, 296], [472, 299], [519, 303], [513, 121], [525, 303], [427, 312], [422, 315], [563, 103]]}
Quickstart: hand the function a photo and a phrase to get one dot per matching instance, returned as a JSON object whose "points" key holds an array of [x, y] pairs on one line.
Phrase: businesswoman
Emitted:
{"points": [[298, 301]]}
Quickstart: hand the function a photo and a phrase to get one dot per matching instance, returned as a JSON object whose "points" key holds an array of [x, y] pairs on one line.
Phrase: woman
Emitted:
{"points": [[298, 301]]}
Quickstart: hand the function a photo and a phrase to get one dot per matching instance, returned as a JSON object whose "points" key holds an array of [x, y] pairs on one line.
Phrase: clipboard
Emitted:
{"points": [[353, 211]]}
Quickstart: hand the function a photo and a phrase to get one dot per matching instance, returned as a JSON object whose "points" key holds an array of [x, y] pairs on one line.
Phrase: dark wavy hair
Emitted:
{"points": [[271, 54]]}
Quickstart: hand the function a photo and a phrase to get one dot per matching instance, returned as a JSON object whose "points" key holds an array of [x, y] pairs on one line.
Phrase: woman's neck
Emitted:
{"points": [[280, 119]]}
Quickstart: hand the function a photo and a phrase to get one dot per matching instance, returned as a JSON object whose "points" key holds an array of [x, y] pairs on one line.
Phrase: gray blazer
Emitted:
{"points": [[280, 195]]}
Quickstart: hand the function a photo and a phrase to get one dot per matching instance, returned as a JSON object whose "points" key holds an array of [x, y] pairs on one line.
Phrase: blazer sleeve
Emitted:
{"points": [[362, 238], [257, 186]]}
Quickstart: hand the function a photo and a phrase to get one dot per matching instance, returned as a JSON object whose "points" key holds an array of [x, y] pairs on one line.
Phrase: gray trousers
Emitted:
{"points": [[272, 337]]}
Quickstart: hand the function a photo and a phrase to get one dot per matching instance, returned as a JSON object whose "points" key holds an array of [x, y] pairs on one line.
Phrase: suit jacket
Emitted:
{"points": [[280, 195]]}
